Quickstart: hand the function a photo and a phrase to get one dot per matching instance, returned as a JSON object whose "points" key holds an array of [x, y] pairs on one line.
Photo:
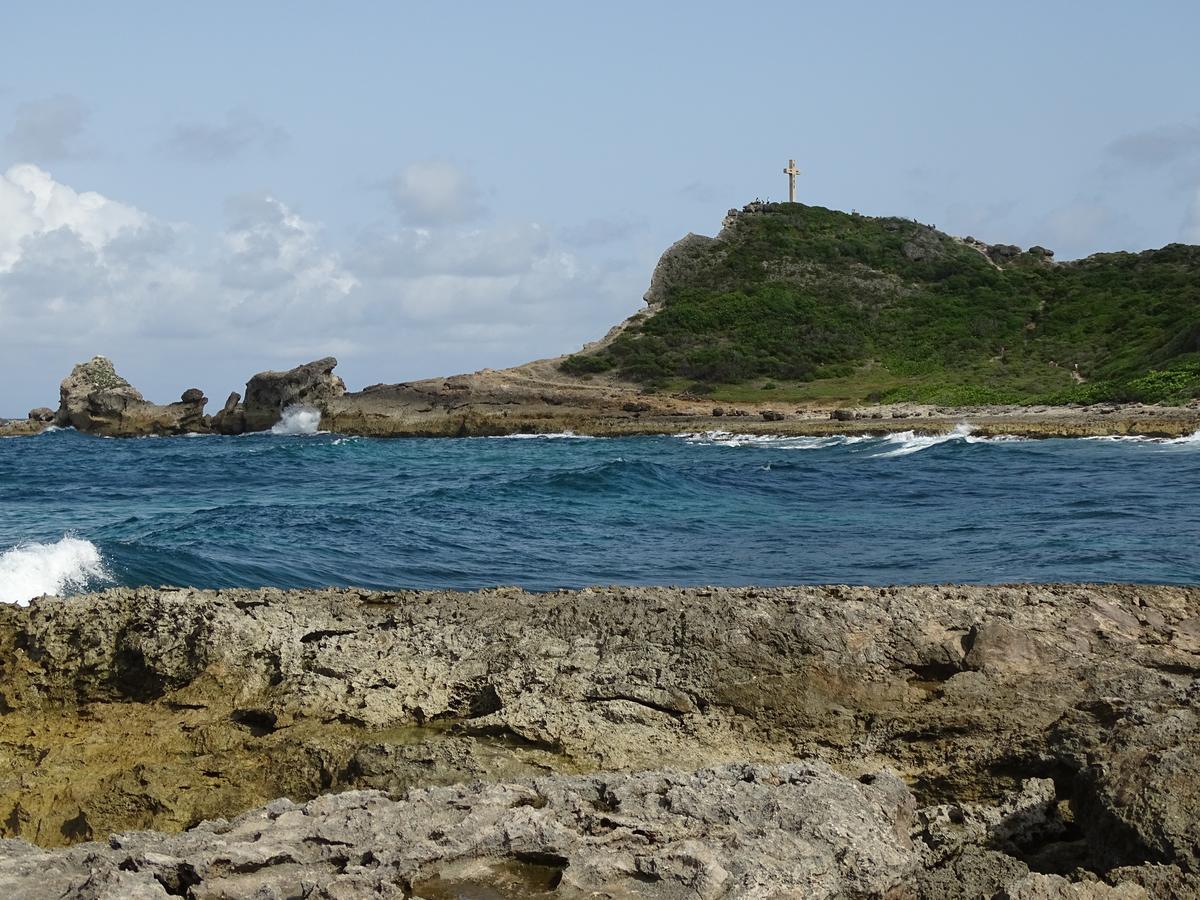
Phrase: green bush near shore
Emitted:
{"points": [[819, 301]]}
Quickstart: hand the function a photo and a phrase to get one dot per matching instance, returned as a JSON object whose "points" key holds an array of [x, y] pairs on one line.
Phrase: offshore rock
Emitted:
{"points": [[735, 831], [96, 400], [268, 394], [231, 419], [1044, 730]]}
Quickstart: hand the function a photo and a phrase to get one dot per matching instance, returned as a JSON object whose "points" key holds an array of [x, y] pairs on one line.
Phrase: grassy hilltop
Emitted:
{"points": [[798, 302]]}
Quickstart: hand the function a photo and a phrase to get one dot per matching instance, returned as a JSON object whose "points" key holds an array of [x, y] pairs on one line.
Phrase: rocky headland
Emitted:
{"points": [[905, 742], [954, 330]]}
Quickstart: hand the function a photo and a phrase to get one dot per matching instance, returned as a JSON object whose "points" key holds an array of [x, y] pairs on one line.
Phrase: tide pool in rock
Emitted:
{"points": [[297, 510]]}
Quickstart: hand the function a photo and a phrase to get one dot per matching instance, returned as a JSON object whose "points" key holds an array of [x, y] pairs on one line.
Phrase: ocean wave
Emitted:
{"points": [[910, 442], [550, 436], [1187, 440], [614, 475], [774, 441], [66, 566], [298, 419]]}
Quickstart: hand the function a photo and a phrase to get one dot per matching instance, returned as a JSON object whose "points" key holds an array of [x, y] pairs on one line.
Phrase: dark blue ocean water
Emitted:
{"points": [[547, 513]]}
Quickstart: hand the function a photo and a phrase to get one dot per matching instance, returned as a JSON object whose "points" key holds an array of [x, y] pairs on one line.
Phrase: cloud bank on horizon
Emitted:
{"points": [[90, 272]]}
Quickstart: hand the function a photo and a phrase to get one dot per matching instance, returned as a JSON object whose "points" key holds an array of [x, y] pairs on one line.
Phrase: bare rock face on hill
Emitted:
{"points": [[1046, 739], [96, 400]]}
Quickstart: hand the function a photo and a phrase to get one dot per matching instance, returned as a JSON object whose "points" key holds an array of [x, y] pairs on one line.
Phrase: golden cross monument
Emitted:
{"points": [[791, 172]]}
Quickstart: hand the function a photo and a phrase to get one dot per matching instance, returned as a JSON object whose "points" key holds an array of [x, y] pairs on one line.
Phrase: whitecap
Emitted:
{"points": [[774, 441], [31, 570], [298, 419], [1188, 440], [549, 436], [1122, 438], [911, 442]]}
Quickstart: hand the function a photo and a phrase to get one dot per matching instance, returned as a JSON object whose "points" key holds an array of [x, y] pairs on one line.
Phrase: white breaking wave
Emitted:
{"points": [[1188, 440], [911, 442], [31, 570], [901, 443], [298, 420], [1191, 440], [552, 436], [774, 441]]}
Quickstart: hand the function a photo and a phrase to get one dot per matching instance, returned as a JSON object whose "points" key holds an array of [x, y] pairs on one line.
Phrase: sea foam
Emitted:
{"points": [[298, 420], [1189, 440], [542, 436], [31, 570], [773, 441], [907, 442]]}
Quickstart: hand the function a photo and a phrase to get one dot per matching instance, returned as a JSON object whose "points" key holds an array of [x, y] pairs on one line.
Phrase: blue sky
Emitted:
{"points": [[203, 191]]}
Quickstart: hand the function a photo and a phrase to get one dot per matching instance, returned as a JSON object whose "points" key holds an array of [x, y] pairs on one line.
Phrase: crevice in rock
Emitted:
{"points": [[259, 722], [1080, 833], [1173, 668], [509, 736], [179, 880], [648, 704], [933, 672], [76, 828], [132, 677], [321, 634], [485, 702]]}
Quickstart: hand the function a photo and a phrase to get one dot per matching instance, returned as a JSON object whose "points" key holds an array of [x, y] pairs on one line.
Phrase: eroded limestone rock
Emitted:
{"points": [[96, 400], [268, 394], [799, 829], [1045, 731]]}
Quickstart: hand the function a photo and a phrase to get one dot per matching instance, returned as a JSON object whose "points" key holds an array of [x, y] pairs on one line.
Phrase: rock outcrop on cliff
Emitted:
{"points": [[1047, 737]]}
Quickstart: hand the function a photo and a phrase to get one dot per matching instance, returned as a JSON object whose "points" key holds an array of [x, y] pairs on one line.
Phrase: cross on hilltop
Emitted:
{"points": [[791, 172]]}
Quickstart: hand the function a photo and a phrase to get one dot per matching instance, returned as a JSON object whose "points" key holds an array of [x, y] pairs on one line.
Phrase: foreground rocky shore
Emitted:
{"points": [[915, 742], [539, 398]]}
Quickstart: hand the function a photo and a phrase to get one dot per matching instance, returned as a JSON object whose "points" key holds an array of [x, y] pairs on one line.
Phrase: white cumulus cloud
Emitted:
{"points": [[32, 203], [435, 193], [81, 273]]}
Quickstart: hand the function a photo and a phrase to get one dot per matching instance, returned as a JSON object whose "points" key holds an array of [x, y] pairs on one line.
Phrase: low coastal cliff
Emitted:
{"points": [[925, 742], [538, 398]]}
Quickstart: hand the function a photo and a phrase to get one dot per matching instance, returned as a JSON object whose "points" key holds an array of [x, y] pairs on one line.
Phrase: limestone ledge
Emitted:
{"points": [[925, 741], [538, 398]]}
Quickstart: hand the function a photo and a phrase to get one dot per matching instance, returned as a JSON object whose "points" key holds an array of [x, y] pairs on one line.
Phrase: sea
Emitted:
{"points": [[299, 508]]}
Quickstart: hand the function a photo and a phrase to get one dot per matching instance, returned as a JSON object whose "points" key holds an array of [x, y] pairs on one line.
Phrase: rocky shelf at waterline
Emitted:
{"points": [[538, 398], [925, 741]]}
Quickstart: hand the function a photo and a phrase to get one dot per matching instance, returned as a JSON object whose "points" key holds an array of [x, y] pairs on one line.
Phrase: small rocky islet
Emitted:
{"points": [[1033, 741]]}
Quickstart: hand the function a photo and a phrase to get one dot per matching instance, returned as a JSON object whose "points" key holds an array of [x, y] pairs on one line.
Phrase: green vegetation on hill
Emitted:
{"points": [[814, 303]]}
